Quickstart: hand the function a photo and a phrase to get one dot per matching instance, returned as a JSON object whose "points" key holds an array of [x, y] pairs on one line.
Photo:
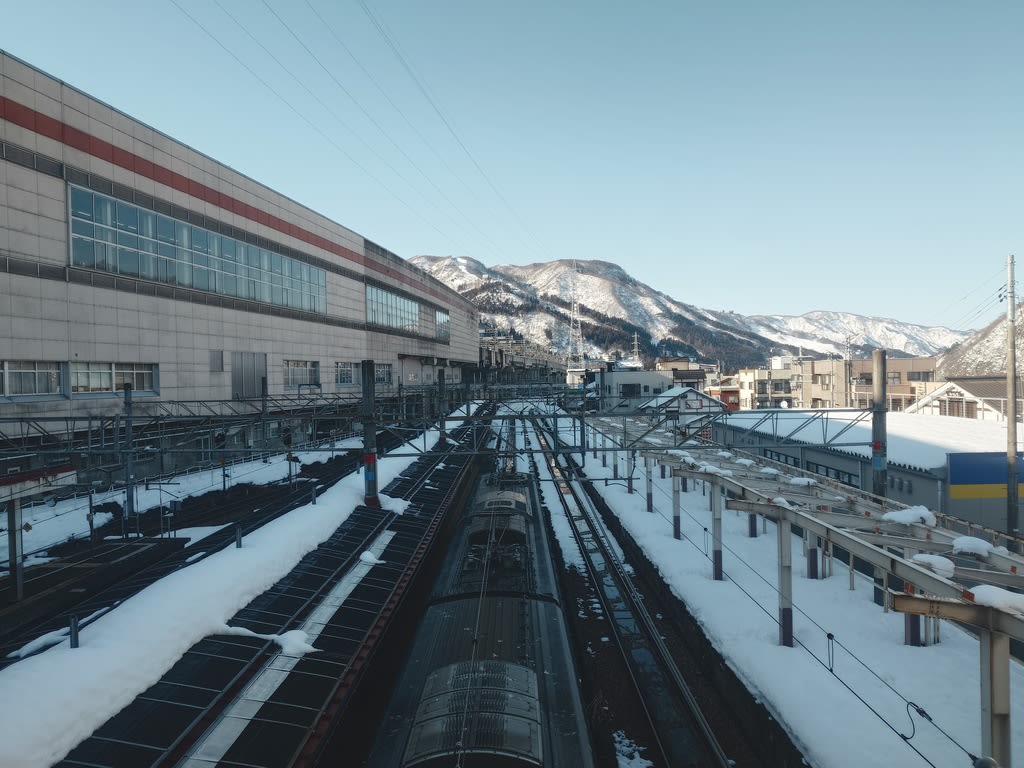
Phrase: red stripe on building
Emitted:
{"points": [[28, 118]]}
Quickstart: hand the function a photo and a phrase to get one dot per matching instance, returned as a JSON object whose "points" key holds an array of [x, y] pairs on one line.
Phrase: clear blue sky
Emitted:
{"points": [[763, 157]]}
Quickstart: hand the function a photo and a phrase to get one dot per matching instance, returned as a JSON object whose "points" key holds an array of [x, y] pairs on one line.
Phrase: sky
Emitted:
{"points": [[745, 155], [852, 718]]}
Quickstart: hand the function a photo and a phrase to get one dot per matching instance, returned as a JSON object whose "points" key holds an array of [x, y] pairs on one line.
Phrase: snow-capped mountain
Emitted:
{"points": [[536, 300], [984, 353]]}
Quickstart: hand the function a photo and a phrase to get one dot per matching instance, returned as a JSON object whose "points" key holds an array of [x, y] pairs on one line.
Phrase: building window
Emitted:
{"points": [[344, 373], [920, 375], [111, 377], [442, 326], [114, 236], [783, 458], [92, 377], [30, 377], [389, 309], [301, 372], [382, 374], [892, 377], [847, 478], [139, 375]]}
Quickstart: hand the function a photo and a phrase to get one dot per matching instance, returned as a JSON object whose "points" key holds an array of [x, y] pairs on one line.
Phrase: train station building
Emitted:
{"points": [[127, 257]]}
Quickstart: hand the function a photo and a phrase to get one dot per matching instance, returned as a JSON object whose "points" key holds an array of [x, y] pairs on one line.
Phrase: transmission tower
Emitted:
{"points": [[574, 359]]}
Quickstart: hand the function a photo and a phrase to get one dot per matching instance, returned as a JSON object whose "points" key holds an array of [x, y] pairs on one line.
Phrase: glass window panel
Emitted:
{"points": [[104, 234], [264, 260], [165, 250], [165, 272], [277, 263], [127, 217], [147, 266], [81, 203], [106, 257], [103, 210], [200, 240], [79, 227], [147, 224], [252, 254], [182, 232], [165, 229], [201, 278], [127, 240], [82, 254], [128, 261], [200, 259], [149, 246], [228, 248], [21, 383], [184, 273], [215, 243], [264, 292]]}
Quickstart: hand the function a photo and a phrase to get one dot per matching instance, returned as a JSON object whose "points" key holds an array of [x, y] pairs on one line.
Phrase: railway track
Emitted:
{"points": [[89, 583], [237, 700], [679, 733]]}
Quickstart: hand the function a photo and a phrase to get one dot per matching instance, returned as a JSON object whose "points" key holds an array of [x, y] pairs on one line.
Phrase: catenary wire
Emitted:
{"points": [[437, 110], [412, 126], [921, 711], [366, 113], [309, 122]]}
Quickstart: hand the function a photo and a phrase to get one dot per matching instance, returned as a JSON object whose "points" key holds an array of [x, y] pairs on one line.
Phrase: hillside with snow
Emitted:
{"points": [[535, 301]]}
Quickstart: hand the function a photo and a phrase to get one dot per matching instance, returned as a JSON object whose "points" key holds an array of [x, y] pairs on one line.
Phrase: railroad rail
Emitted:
{"points": [[239, 700], [682, 735]]}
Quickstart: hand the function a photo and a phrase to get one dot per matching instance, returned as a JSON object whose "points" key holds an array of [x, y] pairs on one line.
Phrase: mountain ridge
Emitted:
{"points": [[535, 301]]}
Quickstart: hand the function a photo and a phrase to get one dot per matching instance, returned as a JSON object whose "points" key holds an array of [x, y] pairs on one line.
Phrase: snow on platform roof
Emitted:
{"points": [[666, 397], [913, 439]]}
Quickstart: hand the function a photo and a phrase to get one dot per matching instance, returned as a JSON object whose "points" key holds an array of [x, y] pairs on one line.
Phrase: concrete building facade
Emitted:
{"points": [[801, 382], [128, 257]]}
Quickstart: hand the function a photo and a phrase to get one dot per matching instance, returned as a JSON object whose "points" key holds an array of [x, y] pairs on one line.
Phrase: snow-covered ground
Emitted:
{"points": [[64, 694], [68, 519], [850, 692]]}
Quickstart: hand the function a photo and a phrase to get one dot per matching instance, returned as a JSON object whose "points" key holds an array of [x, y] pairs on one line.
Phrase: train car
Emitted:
{"points": [[490, 680]]}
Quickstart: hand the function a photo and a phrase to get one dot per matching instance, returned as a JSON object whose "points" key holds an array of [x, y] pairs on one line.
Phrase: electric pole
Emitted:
{"points": [[1011, 405]]}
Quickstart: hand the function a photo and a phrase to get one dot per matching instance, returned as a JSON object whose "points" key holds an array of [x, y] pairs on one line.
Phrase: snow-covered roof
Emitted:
{"points": [[673, 395], [912, 439]]}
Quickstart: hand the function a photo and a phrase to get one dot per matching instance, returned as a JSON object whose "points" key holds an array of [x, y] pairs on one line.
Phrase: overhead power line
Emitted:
{"points": [[444, 120], [310, 122]]}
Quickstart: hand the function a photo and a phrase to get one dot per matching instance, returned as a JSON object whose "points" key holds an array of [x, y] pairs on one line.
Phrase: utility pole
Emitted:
{"points": [[879, 450], [129, 462], [848, 372], [369, 381], [1011, 406]]}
